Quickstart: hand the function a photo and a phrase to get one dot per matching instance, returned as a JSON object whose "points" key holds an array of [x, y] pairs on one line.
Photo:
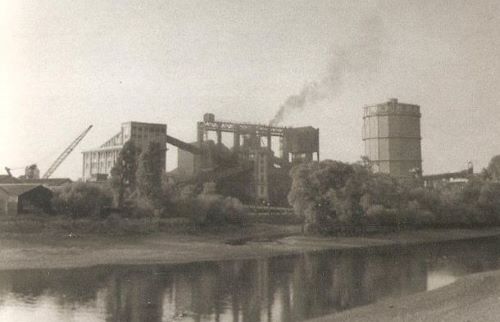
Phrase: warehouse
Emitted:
{"points": [[24, 199]]}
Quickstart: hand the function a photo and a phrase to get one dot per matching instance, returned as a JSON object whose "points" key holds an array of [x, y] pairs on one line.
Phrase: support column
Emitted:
{"points": [[236, 138], [198, 158], [284, 149], [317, 143], [254, 140], [269, 140], [219, 136], [200, 133]]}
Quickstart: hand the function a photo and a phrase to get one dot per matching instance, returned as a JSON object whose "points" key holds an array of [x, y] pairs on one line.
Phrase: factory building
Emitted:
{"points": [[392, 140], [254, 169], [97, 163]]}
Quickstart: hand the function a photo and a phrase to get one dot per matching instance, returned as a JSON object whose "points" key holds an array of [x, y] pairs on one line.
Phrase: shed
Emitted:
{"points": [[24, 198]]}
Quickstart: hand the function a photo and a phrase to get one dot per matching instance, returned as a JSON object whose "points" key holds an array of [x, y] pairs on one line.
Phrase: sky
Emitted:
{"points": [[66, 64]]}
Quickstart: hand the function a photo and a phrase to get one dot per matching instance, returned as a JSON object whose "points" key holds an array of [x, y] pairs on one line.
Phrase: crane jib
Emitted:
{"points": [[65, 153]]}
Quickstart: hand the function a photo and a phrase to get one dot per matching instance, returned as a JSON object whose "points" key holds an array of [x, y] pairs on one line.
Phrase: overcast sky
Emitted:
{"points": [[66, 64]]}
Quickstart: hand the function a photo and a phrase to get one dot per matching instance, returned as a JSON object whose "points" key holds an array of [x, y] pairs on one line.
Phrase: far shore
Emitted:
{"points": [[32, 251]]}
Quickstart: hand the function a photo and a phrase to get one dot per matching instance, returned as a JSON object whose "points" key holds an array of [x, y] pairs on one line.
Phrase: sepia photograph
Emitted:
{"points": [[249, 161]]}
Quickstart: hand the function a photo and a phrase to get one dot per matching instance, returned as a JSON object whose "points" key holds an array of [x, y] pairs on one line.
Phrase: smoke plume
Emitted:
{"points": [[361, 54]]}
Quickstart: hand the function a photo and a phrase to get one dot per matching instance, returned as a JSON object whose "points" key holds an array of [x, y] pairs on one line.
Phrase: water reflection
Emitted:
{"points": [[286, 288]]}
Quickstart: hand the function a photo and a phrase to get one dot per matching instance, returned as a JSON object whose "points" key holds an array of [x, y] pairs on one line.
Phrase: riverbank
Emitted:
{"points": [[28, 251], [471, 298]]}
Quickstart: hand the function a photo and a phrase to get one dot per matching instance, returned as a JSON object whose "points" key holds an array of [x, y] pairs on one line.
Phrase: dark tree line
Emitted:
{"points": [[139, 188], [333, 196]]}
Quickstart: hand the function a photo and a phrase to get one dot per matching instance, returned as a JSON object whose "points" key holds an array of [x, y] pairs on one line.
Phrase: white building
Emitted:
{"points": [[97, 163]]}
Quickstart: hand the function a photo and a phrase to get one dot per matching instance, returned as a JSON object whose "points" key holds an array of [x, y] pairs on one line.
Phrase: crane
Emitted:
{"points": [[65, 153], [8, 170]]}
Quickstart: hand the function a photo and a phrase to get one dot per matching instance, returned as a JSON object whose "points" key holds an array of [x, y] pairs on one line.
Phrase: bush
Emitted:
{"points": [[379, 215], [210, 209], [333, 196], [207, 210], [81, 200], [233, 210], [138, 207], [214, 209]]}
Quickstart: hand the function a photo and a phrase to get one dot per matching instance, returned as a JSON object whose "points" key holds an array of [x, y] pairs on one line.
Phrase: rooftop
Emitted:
{"points": [[48, 182], [17, 189], [8, 179]]}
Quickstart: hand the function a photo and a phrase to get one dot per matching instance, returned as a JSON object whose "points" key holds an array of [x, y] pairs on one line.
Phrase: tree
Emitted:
{"points": [[81, 199], [123, 174], [493, 168], [149, 174], [323, 194], [489, 201]]}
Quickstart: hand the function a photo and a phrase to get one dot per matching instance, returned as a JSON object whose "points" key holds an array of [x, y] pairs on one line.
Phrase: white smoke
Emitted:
{"points": [[362, 53]]}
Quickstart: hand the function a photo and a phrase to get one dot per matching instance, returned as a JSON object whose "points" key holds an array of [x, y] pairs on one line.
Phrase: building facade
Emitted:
{"points": [[392, 140], [21, 198], [97, 163]]}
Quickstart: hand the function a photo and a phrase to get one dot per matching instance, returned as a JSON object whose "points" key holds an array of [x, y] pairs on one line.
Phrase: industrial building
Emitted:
{"points": [[450, 180], [253, 169], [392, 140], [97, 163], [20, 198]]}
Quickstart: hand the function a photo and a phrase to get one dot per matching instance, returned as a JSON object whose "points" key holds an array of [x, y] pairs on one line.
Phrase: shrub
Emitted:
{"points": [[81, 200], [489, 201], [211, 209], [207, 209], [333, 196], [233, 210], [379, 215], [139, 207]]}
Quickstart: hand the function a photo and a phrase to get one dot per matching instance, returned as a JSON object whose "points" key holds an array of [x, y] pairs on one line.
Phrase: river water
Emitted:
{"points": [[283, 288]]}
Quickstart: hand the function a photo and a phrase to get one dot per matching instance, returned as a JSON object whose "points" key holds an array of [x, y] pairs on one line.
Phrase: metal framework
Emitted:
{"points": [[65, 153], [243, 128]]}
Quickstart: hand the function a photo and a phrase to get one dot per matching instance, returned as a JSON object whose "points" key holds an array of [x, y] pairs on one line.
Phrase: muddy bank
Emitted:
{"points": [[471, 298], [59, 251]]}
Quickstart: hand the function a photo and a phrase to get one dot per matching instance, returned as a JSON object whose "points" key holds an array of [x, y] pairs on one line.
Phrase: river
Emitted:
{"points": [[282, 288]]}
